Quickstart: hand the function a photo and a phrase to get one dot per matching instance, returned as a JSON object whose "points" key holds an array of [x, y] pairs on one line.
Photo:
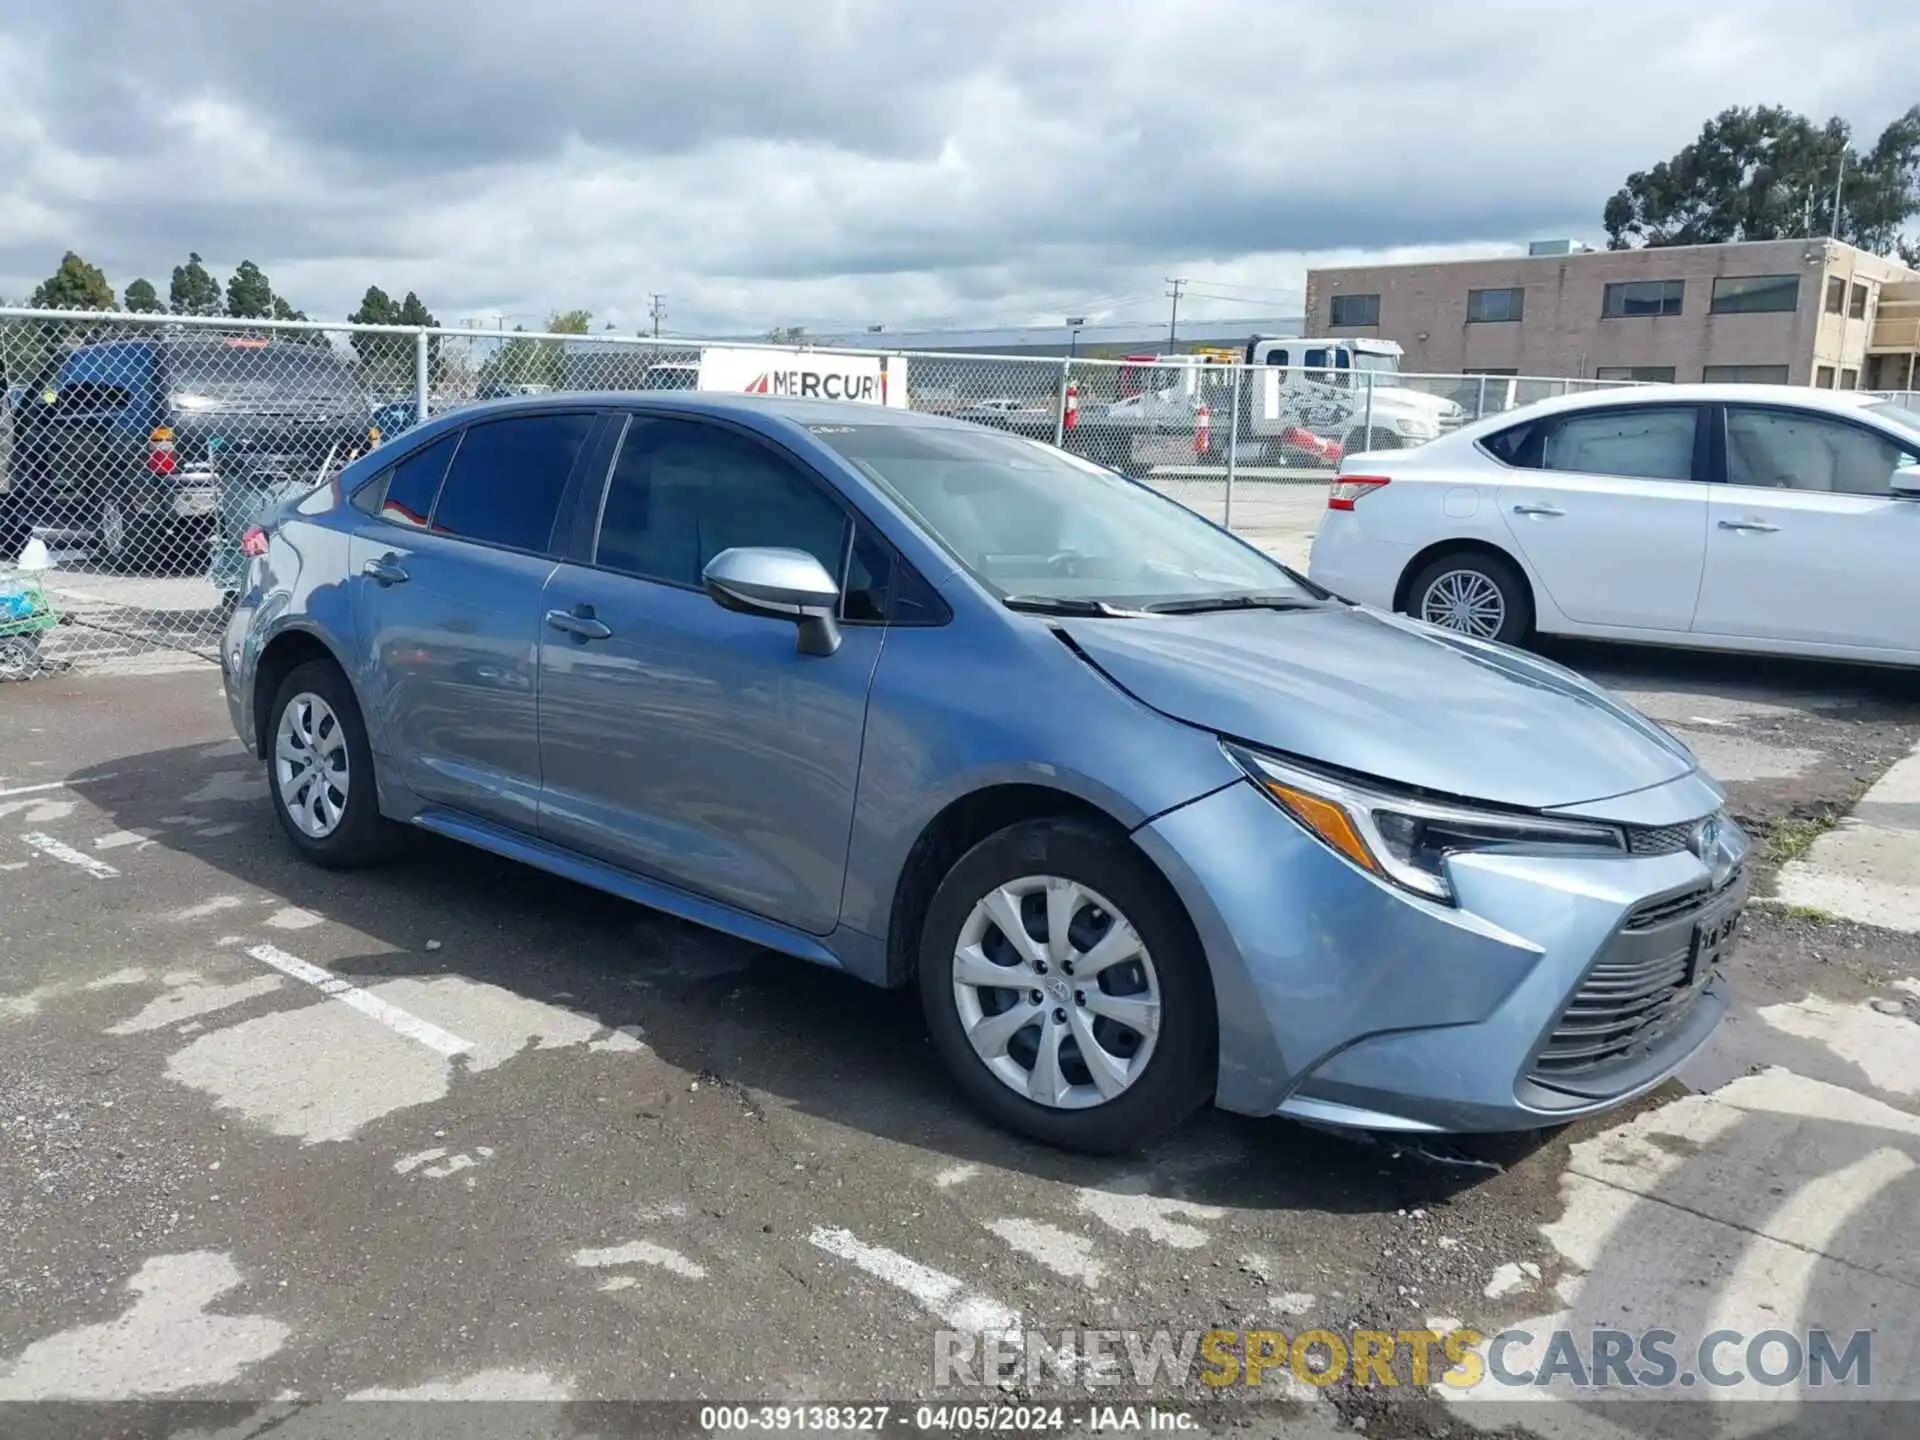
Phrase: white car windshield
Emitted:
{"points": [[1034, 523], [1900, 415]]}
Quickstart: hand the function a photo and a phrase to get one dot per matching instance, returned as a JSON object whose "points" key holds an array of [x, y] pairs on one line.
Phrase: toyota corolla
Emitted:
{"points": [[1148, 819]]}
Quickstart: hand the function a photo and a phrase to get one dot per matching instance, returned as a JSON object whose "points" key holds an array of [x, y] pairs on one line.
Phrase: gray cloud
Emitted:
{"points": [[846, 160]]}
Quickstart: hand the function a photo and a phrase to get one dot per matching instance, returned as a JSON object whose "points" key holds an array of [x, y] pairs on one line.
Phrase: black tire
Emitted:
{"points": [[1360, 439], [1179, 1073], [15, 529], [1516, 598], [123, 539], [363, 836]]}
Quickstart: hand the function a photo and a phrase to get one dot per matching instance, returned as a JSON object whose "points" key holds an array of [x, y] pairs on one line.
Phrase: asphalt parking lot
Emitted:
{"points": [[453, 1128]]}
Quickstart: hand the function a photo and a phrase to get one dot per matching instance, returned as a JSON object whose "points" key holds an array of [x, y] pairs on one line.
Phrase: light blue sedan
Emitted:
{"points": [[1149, 820]]}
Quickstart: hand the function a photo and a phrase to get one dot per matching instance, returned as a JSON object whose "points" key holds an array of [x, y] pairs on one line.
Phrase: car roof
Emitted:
{"points": [[1838, 402], [720, 404]]}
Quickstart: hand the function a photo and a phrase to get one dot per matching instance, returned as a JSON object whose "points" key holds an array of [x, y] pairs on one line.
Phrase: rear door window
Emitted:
{"points": [[1651, 444], [102, 379], [508, 478]]}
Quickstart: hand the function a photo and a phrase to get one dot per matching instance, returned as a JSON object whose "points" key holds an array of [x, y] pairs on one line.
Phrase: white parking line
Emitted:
{"points": [[641, 1252], [51, 785], [937, 1292], [401, 1022], [59, 850]]}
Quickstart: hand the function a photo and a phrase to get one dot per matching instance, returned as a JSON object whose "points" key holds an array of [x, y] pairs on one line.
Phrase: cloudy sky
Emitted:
{"points": [[837, 163]]}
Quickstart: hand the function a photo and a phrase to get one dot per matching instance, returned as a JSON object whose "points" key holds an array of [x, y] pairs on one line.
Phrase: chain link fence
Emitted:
{"points": [[137, 451]]}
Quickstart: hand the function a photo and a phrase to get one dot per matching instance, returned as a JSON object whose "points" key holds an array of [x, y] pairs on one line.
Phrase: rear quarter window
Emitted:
{"points": [[1517, 445], [405, 492]]}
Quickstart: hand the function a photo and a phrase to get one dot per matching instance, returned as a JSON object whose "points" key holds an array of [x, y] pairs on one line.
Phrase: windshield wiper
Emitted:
{"points": [[1232, 602], [1069, 605]]}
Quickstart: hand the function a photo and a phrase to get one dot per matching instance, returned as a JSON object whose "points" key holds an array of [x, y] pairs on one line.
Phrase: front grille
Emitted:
{"points": [[1655, 913], [1660, 839], [1638, 991]]}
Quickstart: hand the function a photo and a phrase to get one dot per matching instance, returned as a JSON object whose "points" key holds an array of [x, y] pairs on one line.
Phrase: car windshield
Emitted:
{"points": [[1378, 364], [1036, 524], [1900, 415]]}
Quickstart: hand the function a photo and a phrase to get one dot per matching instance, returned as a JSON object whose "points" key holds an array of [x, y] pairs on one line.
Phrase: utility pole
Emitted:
{"points": [[1173, 321], [657, 308], [1839, 181]]}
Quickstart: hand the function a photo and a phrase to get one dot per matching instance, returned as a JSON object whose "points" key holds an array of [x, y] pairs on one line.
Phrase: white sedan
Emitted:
{"points": [[1726, 517]]}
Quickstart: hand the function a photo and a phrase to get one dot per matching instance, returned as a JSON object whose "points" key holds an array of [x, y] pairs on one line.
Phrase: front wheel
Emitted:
{"points": [[1475, 594], [1065, 990], [320, 771]]}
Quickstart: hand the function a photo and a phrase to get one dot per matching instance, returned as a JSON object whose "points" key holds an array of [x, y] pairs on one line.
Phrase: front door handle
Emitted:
{"points": [[385, 571], [1759, 525], [579, 623], [1538, 510]]}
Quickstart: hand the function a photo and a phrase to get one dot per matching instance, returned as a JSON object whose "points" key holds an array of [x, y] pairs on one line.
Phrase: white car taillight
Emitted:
{"points": [[1349, 488]]}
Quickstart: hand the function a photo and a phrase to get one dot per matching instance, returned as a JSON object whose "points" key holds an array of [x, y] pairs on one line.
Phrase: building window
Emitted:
{"points": [[1494, 306], [1744, 375], [1754, 294], [1349, 310], [1858, 309], [1631, 298], [1823, 377], [1849, 379], [1645, 374], [1836, 295]]}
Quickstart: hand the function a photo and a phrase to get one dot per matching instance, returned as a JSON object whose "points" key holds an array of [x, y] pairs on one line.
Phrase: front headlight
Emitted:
{"points": [[1411, 426], [1402, 839]]}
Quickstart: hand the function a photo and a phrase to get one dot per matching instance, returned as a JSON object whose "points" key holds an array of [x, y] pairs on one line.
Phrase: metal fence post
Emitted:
{"points": [[1233, 445], [1060, 405], [1480, 405], [421, 366], [1366, 442]]}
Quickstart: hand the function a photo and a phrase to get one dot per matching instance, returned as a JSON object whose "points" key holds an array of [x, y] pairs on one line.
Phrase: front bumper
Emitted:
{"points": [[1345, 1001]]}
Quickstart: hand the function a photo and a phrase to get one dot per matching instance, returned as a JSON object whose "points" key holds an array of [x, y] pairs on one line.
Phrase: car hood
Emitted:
{"points": [[1414, 402], [1387, 697]]}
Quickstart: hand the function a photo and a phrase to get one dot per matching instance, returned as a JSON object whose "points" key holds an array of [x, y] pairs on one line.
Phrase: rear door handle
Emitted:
{"points": [[1759, 525], [1538, 510], [579, 623], [385, 571]]}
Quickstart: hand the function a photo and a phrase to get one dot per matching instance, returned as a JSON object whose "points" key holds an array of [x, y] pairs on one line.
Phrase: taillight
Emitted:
{"points": [[1349, 488], [253, 544], [160, 458]]}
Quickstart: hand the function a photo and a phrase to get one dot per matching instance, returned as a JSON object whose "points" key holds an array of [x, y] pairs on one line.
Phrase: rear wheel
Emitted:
{"points": [[1475, 593], [1065, 990], [1378, 438], [123, 538], [320, 771]]}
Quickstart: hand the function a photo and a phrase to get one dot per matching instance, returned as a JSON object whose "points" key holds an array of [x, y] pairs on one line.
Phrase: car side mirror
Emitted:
{"points": [[782, 585], [1906, 483]]}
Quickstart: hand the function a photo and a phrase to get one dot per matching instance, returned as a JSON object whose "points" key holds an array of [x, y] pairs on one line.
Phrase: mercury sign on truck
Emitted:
{"points": [[806, 374]]}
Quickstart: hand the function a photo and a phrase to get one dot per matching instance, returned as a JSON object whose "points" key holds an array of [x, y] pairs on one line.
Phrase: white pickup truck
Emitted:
{"points": [[1347, 391]]}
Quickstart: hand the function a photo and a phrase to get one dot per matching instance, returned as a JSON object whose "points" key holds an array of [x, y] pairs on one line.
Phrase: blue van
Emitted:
{"points": [[153, 442]]}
